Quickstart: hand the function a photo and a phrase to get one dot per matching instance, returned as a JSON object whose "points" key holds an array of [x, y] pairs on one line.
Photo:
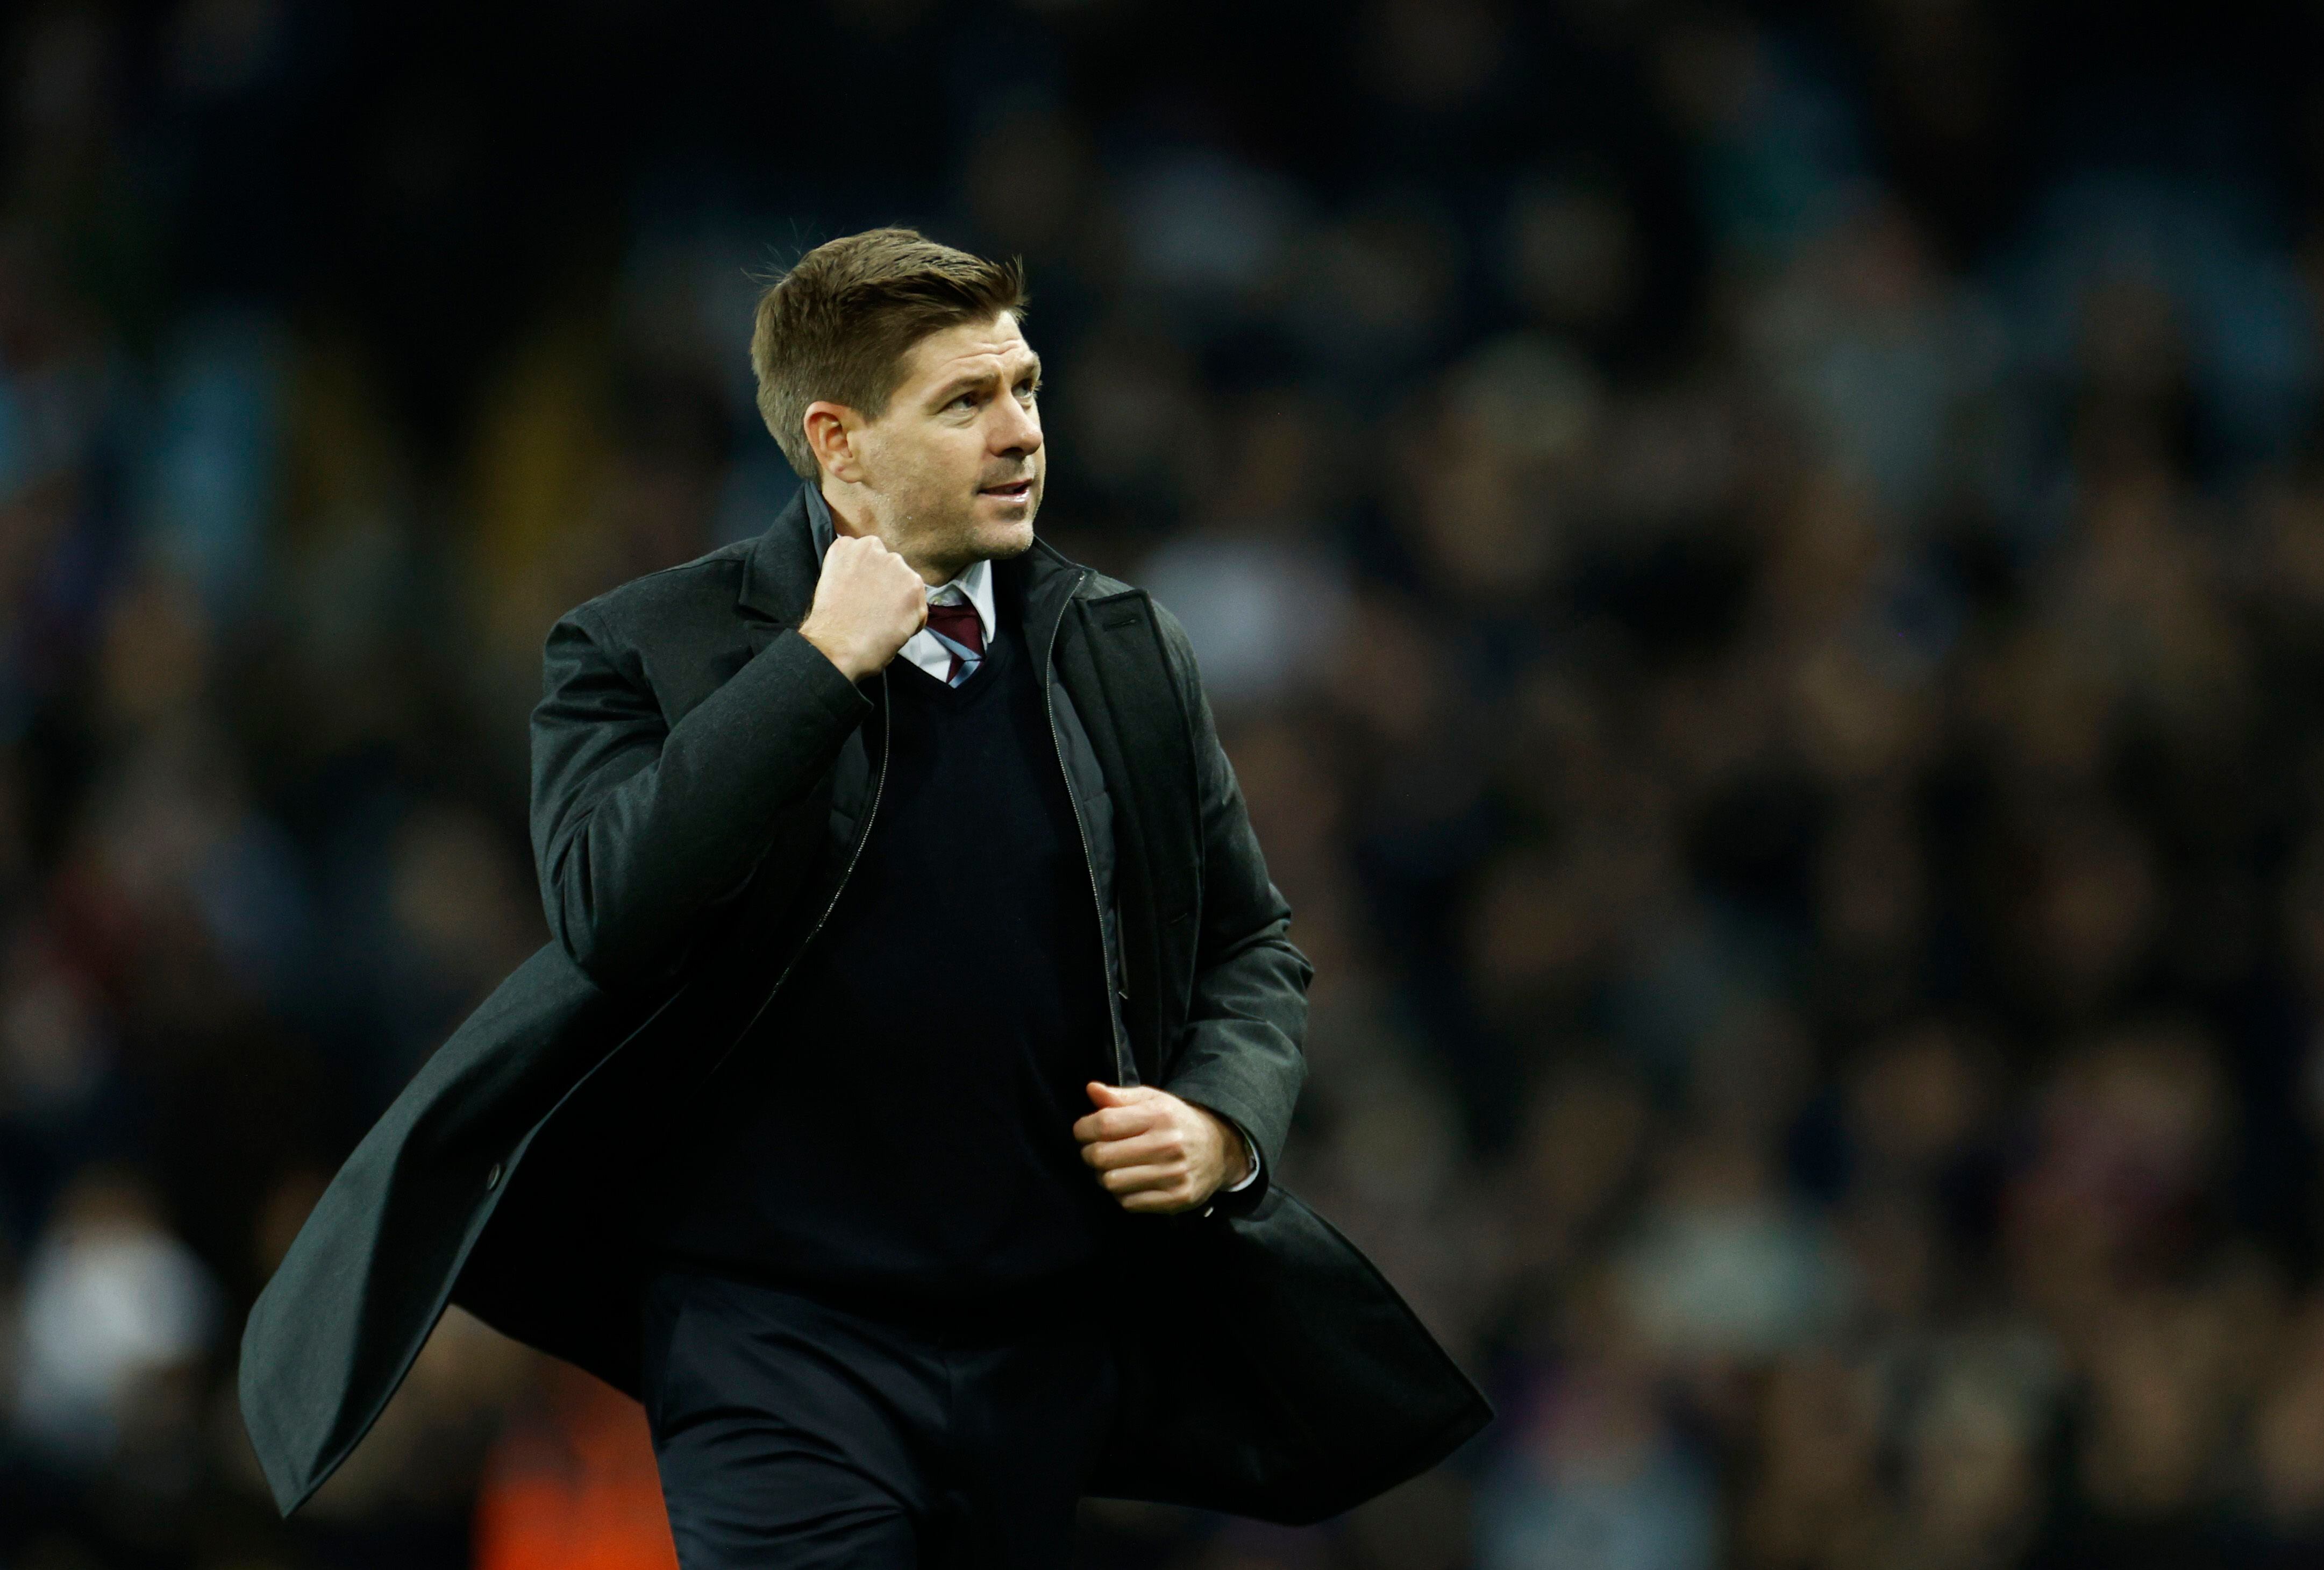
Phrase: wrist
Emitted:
{"points": [[1234, 1155], [847, 661]]}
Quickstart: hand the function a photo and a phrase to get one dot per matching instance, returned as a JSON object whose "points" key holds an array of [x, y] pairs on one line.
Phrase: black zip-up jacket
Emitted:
{"points": [[702, 781]]}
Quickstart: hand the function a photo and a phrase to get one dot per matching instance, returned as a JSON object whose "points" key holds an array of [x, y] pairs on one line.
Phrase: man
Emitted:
{"points": [[894, 1109]]}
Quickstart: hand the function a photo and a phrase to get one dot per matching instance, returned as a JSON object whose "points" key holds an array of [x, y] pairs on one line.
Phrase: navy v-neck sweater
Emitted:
{"points": [[895, 1130]]}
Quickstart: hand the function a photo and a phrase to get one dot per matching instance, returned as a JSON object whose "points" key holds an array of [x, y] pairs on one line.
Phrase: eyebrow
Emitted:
{"points": [[960, 384]]}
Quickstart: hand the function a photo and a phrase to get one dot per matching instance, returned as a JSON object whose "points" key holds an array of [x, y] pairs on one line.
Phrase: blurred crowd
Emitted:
{"points": [[1761, 568]]}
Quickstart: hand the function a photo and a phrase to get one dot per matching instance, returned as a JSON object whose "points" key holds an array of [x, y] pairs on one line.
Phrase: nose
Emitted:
{"points": [[1017, 432]]}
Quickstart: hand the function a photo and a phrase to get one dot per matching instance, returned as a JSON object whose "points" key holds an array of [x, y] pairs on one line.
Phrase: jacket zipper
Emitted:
{"points": [[1125, 1071], [862, 833]]}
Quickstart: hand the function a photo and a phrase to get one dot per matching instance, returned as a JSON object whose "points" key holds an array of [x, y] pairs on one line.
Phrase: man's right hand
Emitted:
{"points": [[868, 602]]}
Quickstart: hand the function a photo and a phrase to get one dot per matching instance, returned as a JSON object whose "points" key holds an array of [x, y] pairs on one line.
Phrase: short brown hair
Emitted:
{"points": [[838, 324]]}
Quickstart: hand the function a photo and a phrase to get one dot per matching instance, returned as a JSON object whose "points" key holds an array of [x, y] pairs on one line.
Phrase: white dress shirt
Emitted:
{"points": [[933, 654], [925, 648]]}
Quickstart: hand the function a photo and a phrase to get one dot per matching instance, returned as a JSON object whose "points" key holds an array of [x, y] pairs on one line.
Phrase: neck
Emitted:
{"points": [[852, 513]]}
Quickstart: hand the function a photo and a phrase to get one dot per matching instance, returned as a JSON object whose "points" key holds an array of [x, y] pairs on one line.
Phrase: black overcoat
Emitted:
{"points": [[702, 777]]}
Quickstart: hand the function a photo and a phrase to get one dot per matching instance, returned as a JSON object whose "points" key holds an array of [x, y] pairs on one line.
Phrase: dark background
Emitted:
{"points": [[1760, 568]]}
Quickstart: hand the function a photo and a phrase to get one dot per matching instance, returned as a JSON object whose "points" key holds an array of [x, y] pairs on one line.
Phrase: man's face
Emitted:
{"points": [[953, 465]]}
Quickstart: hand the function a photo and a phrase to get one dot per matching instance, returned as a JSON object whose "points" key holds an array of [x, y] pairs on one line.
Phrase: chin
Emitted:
{"points": [[1006, 537]]}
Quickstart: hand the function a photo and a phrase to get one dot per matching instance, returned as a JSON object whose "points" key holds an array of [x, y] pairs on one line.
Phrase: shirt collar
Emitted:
{"points": [[974, 583]]}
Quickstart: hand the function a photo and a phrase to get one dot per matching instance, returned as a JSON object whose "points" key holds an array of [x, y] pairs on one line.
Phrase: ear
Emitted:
{"points": [[832, 435]]}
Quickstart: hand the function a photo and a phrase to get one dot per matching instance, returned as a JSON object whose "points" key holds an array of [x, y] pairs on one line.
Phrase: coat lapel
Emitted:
{"points": [[778, 579], [1111, 663], [779, 576], [1046, 580]]}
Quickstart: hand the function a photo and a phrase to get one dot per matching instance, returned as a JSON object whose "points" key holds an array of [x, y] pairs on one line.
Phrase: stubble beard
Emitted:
{"points": [[940, 527]]}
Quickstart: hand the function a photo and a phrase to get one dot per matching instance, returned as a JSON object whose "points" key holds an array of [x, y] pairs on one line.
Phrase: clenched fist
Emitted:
{"points": [[868, 602], [1154, 1152]]}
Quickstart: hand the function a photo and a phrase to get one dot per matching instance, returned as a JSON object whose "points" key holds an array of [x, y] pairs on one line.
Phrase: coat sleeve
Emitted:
{"points": [[640, 825], [1240, 1053]]}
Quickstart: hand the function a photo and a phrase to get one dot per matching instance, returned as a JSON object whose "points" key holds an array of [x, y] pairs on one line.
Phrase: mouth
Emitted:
{"points": [[1013, 491]]}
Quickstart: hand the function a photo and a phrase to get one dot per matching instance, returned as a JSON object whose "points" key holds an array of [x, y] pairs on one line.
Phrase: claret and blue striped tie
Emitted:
{"points": [[958, 628]]}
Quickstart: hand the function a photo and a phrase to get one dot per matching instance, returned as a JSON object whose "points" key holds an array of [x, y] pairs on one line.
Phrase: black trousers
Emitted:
{"points": [[794, 1433]]}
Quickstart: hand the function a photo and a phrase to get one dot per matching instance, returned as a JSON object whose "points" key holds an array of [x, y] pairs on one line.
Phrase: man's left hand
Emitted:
{"points": [[1155, 1153]]}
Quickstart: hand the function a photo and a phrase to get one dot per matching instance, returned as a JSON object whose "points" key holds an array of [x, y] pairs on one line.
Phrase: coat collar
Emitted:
{"points": [[780, 568]]}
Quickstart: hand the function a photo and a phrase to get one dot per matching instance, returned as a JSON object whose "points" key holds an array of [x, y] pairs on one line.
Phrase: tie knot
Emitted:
{"points": [[958, 622]]}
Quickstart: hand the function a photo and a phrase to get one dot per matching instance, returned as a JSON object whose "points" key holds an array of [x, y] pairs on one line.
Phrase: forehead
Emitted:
{"points": [[969, 348]]}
